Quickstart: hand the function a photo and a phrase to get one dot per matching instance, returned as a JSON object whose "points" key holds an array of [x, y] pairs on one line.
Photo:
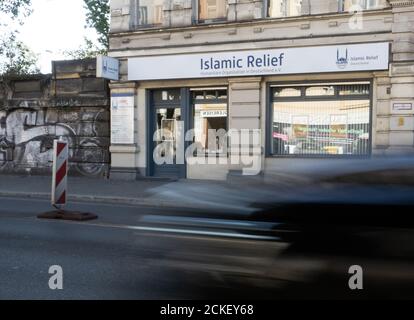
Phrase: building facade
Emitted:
{"points": [[289, 81]]}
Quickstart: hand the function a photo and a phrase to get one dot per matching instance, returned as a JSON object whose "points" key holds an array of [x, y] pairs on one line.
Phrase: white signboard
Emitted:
{"points": [[341, 58], [122, 118], [402, 106], [107, 67], [213, 114]]}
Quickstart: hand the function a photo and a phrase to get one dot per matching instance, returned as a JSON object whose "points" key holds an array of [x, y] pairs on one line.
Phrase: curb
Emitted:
{"points": [[108, 200]]}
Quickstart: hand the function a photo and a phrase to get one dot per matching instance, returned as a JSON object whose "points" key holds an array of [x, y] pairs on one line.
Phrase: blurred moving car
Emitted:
{"points": [[361, 213]]}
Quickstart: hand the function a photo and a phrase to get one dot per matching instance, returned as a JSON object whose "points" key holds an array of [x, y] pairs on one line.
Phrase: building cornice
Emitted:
{"points": [[265, 40]]}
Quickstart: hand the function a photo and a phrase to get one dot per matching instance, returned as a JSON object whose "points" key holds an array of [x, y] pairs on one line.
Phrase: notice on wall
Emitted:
{"points": [[402, 106], [122, 118]]}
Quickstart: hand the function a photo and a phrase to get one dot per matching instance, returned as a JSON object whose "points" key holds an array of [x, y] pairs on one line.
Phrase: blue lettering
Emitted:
{"points": [[281, 57], [216, 64], [265, 60], [250, 61]]}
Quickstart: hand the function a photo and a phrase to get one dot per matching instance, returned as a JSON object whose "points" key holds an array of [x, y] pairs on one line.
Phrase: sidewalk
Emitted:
{"points": [[179, 194]]}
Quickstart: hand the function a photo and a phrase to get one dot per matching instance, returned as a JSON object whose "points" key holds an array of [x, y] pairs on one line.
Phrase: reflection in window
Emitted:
{"points": [[210, 122], [199, 95], [320, 91], [166, 131], [287, 92], [284, 8], [350, 5], [212, 9], [222, 94], [149, 12], [211, 94], [168, 95], [335, 127], [354, 89]]}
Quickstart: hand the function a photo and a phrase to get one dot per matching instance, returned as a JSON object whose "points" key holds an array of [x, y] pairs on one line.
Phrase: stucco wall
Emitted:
{"points": [[35, 110]]}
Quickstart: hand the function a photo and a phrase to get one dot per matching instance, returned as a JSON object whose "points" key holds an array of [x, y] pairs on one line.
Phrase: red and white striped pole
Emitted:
{"points": [[60, 173]]}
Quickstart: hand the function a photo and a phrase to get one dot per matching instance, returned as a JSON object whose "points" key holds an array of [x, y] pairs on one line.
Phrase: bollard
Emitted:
{"points": [[60, 172], [60, 184]]}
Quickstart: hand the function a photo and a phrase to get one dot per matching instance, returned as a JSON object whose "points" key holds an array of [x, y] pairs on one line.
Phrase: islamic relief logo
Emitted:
{"points": [[342, 60], [105, 66]]}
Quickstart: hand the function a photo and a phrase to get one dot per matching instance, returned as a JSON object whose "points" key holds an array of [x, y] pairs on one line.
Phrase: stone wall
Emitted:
{"points": [[71, 103]]}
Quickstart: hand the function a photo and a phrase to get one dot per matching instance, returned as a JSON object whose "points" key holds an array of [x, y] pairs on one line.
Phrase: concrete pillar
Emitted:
{"points": [[401, 120], [381, 112], [244, 113]]}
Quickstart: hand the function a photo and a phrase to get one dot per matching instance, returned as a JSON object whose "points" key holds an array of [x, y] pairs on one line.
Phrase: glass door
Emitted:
{"points": [[167, 134]]}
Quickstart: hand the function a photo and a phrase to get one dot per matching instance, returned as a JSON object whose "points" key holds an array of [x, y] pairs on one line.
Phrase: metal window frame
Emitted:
{"points": [[269, 120]]}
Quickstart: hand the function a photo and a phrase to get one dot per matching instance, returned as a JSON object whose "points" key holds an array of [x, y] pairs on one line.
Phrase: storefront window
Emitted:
{"points": [[349, 5], [284, 8], [149, 12], [337, 123], [210, 121], [212, 10]]}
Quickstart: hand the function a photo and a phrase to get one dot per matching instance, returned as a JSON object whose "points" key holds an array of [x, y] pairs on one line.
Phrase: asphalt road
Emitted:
{"points": [[146, 253], [132, 253]]}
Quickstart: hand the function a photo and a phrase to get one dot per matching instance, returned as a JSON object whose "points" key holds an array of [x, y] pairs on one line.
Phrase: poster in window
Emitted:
{"points": [[300, 126], [339, 127], [122, 119]]}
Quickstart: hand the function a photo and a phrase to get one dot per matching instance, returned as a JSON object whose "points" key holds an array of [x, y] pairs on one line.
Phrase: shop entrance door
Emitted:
{"points": [[167, 131]]}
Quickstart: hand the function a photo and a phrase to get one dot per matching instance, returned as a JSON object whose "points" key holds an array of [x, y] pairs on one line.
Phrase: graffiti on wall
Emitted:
{"points": [[70, 103], [27, 132]]}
